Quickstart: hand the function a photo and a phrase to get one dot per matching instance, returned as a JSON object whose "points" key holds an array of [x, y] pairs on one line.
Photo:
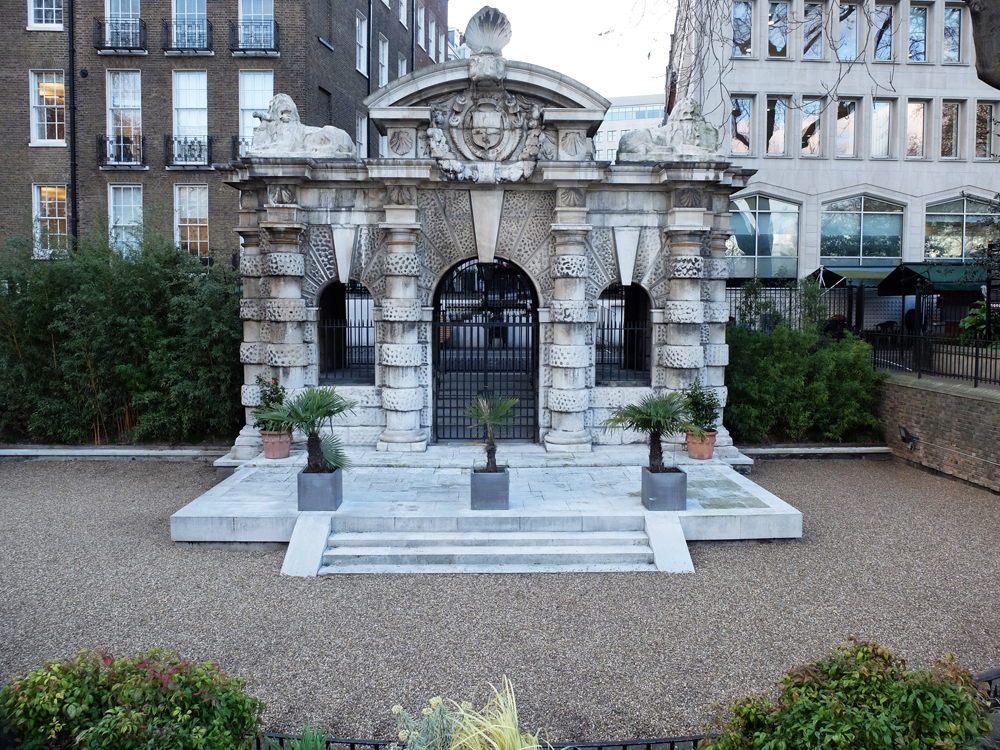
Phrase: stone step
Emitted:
{"points": [[365, 568], [486, 521], [489, 556], [486, 539]]}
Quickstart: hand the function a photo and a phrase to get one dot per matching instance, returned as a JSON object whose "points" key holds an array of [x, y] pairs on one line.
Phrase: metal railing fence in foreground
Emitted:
{"points": [[975, 360]]}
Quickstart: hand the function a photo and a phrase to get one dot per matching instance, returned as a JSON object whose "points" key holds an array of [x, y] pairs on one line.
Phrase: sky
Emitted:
{"points": [[616, 47]]}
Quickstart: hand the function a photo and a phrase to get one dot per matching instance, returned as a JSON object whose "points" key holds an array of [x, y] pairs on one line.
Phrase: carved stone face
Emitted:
{"points": [[487, 128], [285, 116]]}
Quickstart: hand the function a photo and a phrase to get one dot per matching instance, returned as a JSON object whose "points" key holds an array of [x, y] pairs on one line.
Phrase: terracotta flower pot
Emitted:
{"points": [[276, 444], [701, 449]]}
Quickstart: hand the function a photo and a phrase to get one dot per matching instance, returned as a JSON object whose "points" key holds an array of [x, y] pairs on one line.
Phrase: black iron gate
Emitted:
{"points": [[485, 340]]}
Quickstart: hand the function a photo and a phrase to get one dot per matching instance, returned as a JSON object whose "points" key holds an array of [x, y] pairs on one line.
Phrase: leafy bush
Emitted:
{"points": [[97, 347], [94, 701], [862, 697], [790, 385]]}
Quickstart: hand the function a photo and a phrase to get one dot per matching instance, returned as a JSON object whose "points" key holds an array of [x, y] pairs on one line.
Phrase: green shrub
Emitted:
{"points": [[862, 697], [94, 701], [793, 385], [101, 347]]}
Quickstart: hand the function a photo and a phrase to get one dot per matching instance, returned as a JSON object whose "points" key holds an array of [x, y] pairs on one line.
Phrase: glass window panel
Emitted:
{"points": [[847, 204], [952, 34], [783, 236], [126, 215], [949, 207], [191, 218], [972, 206], [48, 106], [980, 231], [777, 30], [875, 205], [943, 236], [840, 234], [361, 44], [257, 10], [812, 120], [46, 12], [812, 32], [256, 92], [50, 219], [881, 115], [190, 103], [883, 236], [744, 229], [740, 126], [743, 204], [742, 29], [847, 37], [984, 131], [915, 129], [949, 130], [918, 34], [777, 117], [847, 128], [882, 25]]}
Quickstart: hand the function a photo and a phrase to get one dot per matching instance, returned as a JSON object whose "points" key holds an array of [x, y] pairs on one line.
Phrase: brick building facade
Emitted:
{"points": [[166, 88]]}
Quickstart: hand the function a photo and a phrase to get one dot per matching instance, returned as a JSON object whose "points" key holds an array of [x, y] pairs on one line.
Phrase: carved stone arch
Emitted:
{"points": [[315, 298], [532, 279]]}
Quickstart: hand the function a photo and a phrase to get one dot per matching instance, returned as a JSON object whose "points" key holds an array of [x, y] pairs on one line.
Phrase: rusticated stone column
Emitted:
{"points": [[248, 443], [400, 352], [570, 359]]}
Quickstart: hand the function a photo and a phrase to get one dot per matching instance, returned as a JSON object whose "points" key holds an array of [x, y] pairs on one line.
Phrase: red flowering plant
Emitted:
{"points": [[272, 397]]}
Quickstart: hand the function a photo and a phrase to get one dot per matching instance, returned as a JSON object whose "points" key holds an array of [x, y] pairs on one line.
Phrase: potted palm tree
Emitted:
{"points": [[274, 434], [490, 485], [321, 482], [703, 409], [663, 488]]}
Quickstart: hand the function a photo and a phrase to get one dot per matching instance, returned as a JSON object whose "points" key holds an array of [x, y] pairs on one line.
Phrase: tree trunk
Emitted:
{"points": [[491, 458], [655, 454], [986, 34], [315, 464]]}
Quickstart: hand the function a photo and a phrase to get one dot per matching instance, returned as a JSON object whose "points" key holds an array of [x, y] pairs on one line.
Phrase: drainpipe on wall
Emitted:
{"points": [[73, 226]]}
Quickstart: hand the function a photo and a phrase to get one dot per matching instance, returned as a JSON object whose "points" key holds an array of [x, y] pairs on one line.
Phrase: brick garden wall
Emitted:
{"points": [[952, 415]]}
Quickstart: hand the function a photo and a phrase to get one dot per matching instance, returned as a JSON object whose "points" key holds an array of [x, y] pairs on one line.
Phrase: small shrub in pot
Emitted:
{"points": [[275, 434], [490, 485], [703, 410]]}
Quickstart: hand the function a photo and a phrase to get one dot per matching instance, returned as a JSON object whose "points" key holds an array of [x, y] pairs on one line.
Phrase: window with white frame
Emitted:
{"points": [[952, 52], [361, 135], [383, 146], [812, 127], [612, 154], [612, 135], [986, 130], [861, 231], [190, 117], [812, 32], [777, 30], [777, 122], [847, 128], [882, 26], [882, 129], [765, 239], [48, 108], [256, 24], [256, 92], [432, 37], [383, 60], [124, 117], [45, 15], [599, 136], [123, 24], [847, 32], [421, 19], [190, 24], [598, 155], [361, 44], [742, 28], [960, 228], [49, 211], [442, 46], [739, 125], [124, 216], [401, 65], [191, 219], [916, 124], [918, 34], [951, 119], [403, 15]]}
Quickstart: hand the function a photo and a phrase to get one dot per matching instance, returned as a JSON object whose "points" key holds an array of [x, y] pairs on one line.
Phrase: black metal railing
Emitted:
{"points": [[240, 146], [187, 36], [121, 151], [187, 151], [623, 351], [347, 351], [764, 307], [253, 36], [667, 743], [967, 359], [120, 34]]}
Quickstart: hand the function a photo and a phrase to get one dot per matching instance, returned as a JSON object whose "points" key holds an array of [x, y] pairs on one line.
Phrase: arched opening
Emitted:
{"points": [[624, 338], [346, 335], [485, 340]]}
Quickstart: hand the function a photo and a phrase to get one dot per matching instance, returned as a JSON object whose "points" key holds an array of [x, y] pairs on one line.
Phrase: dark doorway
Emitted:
{"points": [[624, 340], [346, 335], [485, 340]]}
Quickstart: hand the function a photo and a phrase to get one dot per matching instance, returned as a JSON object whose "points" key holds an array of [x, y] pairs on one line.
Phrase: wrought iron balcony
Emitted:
{"points": [[120, 35], [187, 151], [187, 36], [124, 151], [240, 146], [253, 37]]}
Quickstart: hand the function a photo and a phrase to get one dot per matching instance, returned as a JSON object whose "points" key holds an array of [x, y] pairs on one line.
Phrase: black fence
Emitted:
{"points": [[121, 150], [187, 36], [240, 147], [120, 34], [253, 36], [187, 151], [691, 742], [623, 352], [762, 308], [975, 360], [347, 352]]}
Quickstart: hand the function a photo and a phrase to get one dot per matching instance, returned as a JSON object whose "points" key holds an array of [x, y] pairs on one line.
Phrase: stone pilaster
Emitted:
{"points": [[570, 358], [400, 353]]}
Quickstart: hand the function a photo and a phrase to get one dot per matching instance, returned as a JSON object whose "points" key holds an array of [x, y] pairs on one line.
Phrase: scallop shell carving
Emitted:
{"points": [[488, 32]]}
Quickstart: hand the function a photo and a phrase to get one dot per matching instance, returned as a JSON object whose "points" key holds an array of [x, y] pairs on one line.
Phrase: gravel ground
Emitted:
{"points": [[888, 553]]}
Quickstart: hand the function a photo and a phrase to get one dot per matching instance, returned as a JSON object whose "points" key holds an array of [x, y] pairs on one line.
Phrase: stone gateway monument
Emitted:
{"points": [[485, 251]]}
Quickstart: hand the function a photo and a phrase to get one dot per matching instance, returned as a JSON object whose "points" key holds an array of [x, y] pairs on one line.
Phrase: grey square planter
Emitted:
{"points": [[667, 491], [491, 491], [321, 491]]}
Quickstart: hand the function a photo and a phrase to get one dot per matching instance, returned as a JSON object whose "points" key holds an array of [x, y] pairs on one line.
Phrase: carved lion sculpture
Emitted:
{"points": [[281, 133], [686, 136]]}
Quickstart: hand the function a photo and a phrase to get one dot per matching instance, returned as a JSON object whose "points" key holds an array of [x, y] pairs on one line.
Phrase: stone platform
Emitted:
{"points": [[411, 514]]}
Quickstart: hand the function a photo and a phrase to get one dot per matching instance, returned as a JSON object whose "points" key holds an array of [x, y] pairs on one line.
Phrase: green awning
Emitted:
{"points": [[861, 272], [934, 277]]}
